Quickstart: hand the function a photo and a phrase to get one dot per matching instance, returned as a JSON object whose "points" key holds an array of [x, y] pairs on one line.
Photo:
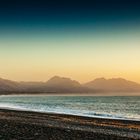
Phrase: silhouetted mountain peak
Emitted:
{"points": [[113, 84], [59, 84], [63, 81], [8, 85]]}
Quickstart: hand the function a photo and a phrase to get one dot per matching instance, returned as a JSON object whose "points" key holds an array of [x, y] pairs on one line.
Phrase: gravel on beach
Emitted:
{"points": [[27, 125]]}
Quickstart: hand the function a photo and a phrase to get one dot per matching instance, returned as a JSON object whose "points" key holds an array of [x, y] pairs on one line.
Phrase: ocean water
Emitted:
{"points": [[118, 107]]}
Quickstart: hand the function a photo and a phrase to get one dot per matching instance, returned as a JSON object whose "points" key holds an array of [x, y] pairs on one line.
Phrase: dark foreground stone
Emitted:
{"points": [[23, 125]]}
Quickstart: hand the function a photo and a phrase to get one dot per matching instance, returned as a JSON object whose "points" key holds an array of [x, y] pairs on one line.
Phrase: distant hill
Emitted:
{"points": [[57, 81], [8, 86], [62, 84], [54, 85], [113, 85], [65, 85]]}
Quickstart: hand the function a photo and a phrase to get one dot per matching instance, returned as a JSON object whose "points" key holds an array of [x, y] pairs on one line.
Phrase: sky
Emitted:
{"points": [[82, 40]]}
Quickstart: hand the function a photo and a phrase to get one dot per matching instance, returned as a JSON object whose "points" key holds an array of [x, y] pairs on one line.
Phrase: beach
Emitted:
{"points": [[27, 125]]}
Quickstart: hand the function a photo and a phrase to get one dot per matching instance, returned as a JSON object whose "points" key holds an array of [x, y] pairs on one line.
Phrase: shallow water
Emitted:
{"points": [[122, 107]]}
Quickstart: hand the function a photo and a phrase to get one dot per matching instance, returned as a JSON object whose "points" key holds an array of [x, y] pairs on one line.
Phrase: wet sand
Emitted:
{"points": [[25, 125]]}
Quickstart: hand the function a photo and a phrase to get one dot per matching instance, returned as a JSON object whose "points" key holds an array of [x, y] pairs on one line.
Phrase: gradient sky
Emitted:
{"points": [[78, 39]]}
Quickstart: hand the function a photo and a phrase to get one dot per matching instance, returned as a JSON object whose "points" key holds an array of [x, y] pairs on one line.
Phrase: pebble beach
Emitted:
{"points": [[25, 125]]}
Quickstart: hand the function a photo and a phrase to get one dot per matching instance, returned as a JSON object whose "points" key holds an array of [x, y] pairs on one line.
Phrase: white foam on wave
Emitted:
{"points": [[55, 106], [66, 111]]}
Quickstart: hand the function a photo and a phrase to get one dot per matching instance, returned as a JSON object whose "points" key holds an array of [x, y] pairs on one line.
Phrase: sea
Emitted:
{"points": [[112, 107]]}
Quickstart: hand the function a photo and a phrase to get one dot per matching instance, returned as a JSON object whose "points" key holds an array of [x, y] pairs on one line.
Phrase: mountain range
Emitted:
{"points": [[65, 85]]}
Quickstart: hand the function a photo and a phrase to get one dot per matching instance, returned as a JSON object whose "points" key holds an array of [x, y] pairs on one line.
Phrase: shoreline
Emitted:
{"points": [[71, 94], [17, 124], [68, 114]]}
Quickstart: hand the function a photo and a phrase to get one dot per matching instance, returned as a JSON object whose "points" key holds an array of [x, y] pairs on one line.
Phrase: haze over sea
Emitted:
{"points": [[116, 107]]}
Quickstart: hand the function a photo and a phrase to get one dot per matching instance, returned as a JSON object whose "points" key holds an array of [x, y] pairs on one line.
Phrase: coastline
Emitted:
{"points": [[70, 94], [15, 124]]}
